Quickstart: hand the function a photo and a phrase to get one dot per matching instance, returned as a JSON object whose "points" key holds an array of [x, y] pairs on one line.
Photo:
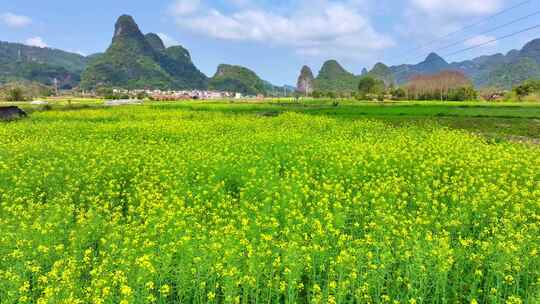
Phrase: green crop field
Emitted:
{"points": [[271, 203]]}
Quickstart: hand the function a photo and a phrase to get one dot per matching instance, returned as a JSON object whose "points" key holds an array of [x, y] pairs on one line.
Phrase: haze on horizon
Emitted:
{"points": [[275, 38]]}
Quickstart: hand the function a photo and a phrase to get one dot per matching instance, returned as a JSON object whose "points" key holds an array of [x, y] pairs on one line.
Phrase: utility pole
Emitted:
{"points": [[56, 86]]}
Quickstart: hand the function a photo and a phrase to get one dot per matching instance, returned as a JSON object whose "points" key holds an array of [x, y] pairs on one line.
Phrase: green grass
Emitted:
{"points": [[497, 121], [376, 110]]}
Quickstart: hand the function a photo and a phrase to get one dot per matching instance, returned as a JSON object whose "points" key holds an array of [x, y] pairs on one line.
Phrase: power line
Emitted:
{"points": [[489, 31], [495, 40], [471, 25], [481, 44]]}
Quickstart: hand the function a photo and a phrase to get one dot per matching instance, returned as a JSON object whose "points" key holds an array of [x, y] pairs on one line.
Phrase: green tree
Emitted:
{"points": [[331, 95], [108, 93], [463, 94], [370, 86], [398, 93], [317, 94], [527, 88]]}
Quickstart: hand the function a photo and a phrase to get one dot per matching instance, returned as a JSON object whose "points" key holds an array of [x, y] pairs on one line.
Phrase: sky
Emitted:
{"points": [[276, 38]]}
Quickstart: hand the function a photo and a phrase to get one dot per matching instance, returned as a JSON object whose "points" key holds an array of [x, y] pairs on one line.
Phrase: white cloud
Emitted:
{"points": [[458, 7], [36, 41], [426, 20], [185, 7], [15, 21], [317, 28], [483, 40], [168, 40]]}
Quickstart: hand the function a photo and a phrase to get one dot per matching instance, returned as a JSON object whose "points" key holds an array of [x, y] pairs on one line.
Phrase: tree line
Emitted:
{"points": [[444, 86]]}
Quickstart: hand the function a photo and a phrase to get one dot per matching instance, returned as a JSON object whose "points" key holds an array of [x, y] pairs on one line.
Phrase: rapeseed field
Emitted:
{"points": [[166, 205]]}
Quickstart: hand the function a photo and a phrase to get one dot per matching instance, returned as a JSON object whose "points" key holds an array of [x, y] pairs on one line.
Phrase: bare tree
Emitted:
{"points": [[437, 86]]}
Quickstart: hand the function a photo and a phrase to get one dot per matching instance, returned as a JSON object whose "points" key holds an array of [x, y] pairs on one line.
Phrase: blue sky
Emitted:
{"points": [[276, 37]]}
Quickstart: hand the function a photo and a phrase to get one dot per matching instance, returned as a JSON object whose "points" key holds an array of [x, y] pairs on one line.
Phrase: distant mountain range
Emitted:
{"points": [[136, 60], [496, 70], [334, 78], [501, 71], [133, 60], [44, 65]]}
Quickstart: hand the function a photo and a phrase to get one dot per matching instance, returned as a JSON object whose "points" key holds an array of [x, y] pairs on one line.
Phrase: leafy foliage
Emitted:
{"points": [[531, 50], [508, 75], [23, 91], [20, 62], [176, 60], [369, 85], [155, 42], [15, 94], [527, 88], [39, 72], [15, 52]]}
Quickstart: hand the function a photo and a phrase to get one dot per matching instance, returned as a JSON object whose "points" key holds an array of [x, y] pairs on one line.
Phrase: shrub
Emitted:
{"points": [[15, 94], [526, 88], [317, 94], [462, 94], [398, 94]]}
